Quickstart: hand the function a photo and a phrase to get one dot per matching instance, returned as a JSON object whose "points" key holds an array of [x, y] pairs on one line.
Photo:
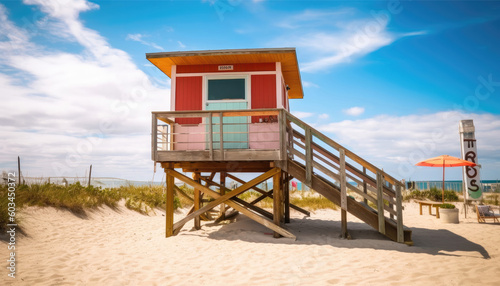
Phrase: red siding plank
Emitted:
{"points": [[263, 94], [188, 96], [236, 68]]}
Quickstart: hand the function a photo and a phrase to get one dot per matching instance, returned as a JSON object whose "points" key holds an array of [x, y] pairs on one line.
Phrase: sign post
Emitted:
{"points": [[471, 180]]}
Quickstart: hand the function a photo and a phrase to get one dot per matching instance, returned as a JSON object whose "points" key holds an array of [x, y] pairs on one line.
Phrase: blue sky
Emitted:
{"points": [[389, 80]]}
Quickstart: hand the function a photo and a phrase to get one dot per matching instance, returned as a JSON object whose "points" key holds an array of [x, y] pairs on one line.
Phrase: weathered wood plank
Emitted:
{"points": [[365, 190], [169, 206], [197, 202], [286, 194], [343, 221], [247, 113], [343, 181], [277, 192], [154, 130], [380, 203], [222, 211], [228, 155], [399, 210], [232, 166], [309, 157]]}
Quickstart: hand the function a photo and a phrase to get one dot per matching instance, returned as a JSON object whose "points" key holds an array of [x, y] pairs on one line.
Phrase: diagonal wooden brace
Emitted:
{"points": [[227, 199], [267, 194], [244, 203]]}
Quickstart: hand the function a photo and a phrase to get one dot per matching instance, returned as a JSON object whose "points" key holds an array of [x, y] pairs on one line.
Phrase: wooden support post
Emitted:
{"points": [[343, 229], [154, 139], [169, 206], [399, 209], [222, 192], [380, 203], [365, 189], [343, 194], [277, 193], [286, 192], [171, 136], [283, 140], [309, 157], [197, 201]]}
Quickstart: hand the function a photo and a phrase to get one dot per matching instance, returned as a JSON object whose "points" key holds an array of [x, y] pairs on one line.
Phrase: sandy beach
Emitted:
{"points": [[122, 247]]}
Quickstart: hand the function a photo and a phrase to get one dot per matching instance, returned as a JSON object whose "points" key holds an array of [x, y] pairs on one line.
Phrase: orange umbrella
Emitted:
{"points": [[445, 161]]}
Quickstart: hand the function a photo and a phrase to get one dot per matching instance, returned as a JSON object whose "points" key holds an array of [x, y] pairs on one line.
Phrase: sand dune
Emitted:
{"points": [[122, 247]]}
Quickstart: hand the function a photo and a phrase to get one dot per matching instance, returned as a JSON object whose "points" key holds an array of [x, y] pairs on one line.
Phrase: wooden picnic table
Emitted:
{"points": [[430, 204]]}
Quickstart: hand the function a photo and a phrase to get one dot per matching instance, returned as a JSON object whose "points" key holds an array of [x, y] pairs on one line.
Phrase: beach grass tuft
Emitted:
{"points": [[77, 198], [433, 194]]}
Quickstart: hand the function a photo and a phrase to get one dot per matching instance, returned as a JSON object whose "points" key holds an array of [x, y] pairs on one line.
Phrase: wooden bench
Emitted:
{"points": [[430, 204]]}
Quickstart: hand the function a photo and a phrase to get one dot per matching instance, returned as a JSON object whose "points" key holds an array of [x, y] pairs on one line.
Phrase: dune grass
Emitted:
{"points": [[433, 194], [143, 199], [77, 198]]}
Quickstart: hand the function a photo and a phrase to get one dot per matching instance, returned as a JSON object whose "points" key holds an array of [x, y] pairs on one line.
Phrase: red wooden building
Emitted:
{"points": [[230, 80]]}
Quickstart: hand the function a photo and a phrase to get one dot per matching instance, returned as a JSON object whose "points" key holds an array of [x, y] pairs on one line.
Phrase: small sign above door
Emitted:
{"points": [[226, 68]]}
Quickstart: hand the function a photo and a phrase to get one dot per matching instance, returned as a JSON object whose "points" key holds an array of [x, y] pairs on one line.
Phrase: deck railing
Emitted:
{"points": [[218, 135]]}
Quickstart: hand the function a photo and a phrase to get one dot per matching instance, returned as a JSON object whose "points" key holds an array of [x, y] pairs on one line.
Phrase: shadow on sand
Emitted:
{"points": [[325, 232]]}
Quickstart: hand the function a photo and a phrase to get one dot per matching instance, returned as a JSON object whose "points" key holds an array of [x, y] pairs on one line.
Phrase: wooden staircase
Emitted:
{"points": [[312, 160]]}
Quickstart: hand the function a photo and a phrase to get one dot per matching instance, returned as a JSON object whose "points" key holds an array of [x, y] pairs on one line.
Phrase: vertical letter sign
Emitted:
{"points": [[471, 180]]}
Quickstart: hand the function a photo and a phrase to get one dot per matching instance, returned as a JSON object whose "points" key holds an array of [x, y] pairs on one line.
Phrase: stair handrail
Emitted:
{"points": [[337, 147]]}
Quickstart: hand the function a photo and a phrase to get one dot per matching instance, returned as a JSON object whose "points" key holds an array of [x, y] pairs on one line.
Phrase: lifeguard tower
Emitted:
{"points": [[230, 115]]}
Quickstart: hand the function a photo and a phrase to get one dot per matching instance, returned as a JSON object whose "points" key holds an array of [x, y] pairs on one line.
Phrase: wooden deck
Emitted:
{"points": [[300, 152]]}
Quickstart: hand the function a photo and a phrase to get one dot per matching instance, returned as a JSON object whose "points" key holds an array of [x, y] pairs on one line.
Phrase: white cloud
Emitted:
{"points": [[354, 111], [309, 84], [139, 38], [323, 116], [338, 36], [181, 45], [73, 109], [396, 143], [302, 114]]}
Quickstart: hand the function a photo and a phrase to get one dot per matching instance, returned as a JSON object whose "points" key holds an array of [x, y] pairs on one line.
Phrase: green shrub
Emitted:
{"points": [[447, 206], [433, 194]]}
